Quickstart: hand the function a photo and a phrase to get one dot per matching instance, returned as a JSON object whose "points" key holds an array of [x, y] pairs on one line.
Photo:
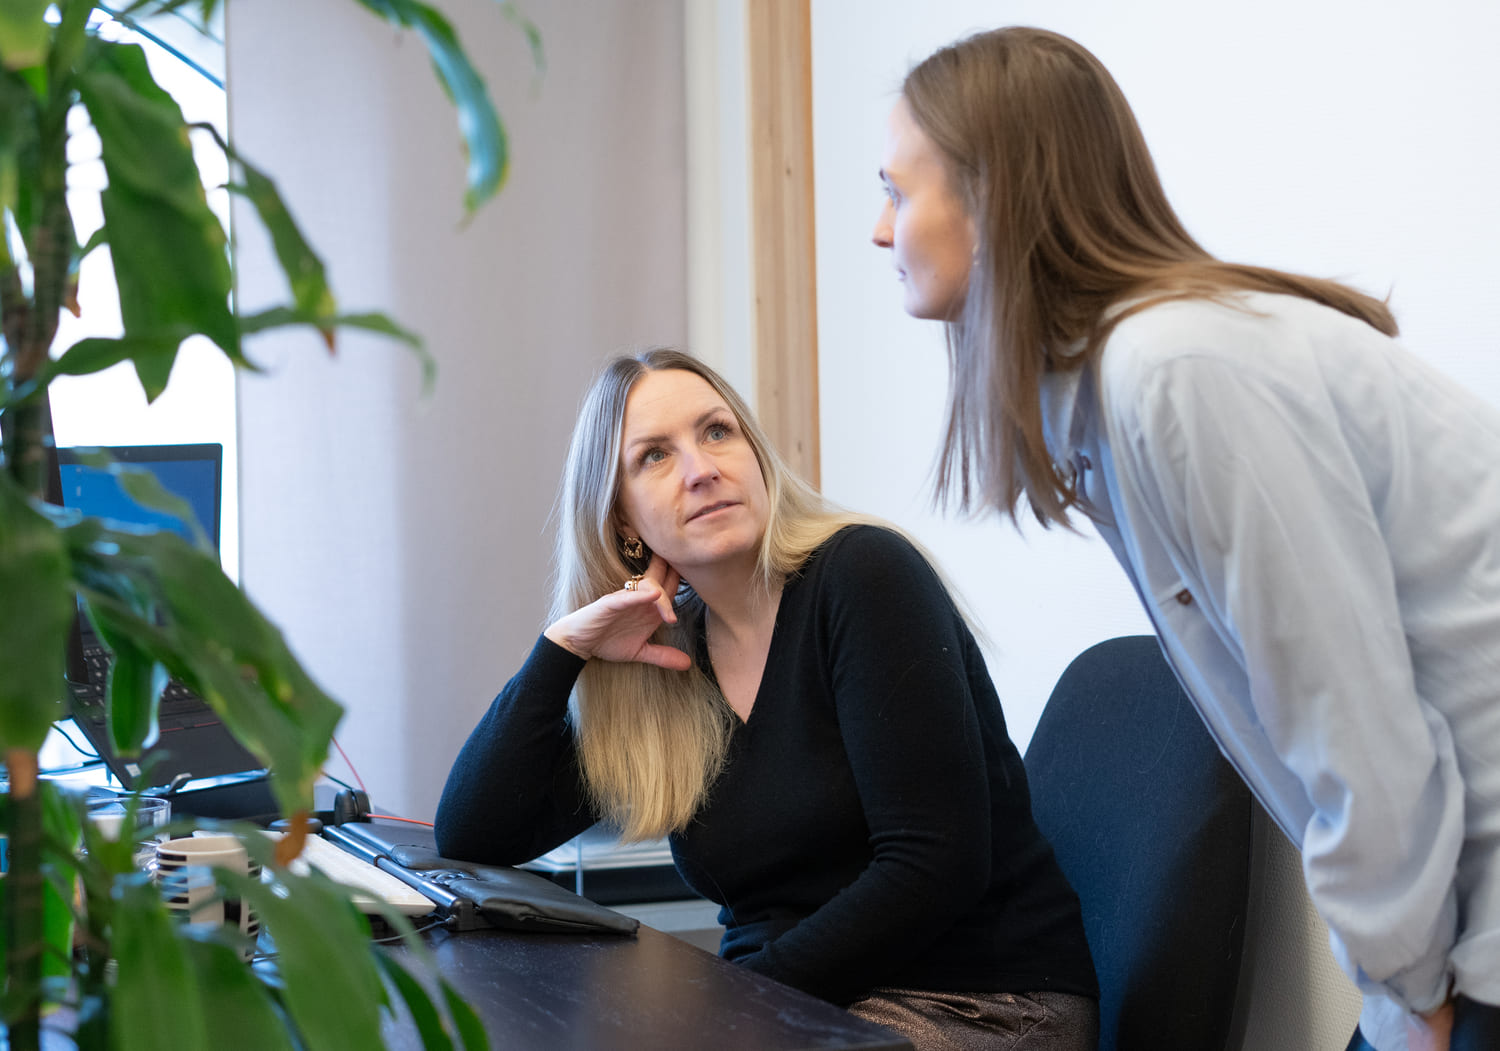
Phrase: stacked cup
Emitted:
{"points": [[184, 870]]}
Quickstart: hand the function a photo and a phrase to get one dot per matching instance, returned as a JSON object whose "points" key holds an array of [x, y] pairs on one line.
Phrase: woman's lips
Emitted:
{"points": [[710, 509]]}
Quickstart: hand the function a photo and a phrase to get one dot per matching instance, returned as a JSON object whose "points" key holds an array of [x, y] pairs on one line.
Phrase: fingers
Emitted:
{"points": [[666, 578], [668, 657], [667, 601], [618, 624]]}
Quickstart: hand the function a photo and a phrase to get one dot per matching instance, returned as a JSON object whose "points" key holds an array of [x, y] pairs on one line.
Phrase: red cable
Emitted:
{"points": [[408, 820], [360, 781], [357, 778]]}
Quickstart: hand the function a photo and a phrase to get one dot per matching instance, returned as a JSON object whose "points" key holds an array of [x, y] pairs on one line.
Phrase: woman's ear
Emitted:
{"points": [[622, 528]]}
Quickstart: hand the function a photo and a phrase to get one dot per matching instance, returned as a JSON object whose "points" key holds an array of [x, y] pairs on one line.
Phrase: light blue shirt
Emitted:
{"points": [[1311, 517]]}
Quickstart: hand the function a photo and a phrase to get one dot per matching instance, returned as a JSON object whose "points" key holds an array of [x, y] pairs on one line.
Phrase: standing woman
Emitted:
{"points": [[788, 693], [1310, 514]]}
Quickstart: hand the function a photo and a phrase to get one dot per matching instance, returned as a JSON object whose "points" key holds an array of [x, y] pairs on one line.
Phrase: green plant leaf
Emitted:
{"points": [[62, 826], [168, 248], [156, 978], [428, 1020], [98, 238], [23, 33], [39, 607], [207, 634], [304, 270], [484, 137], [152, 354], [239, 1004], [135, 685], [470, 1028], [516, 17], [330, 983], [380, 324]]}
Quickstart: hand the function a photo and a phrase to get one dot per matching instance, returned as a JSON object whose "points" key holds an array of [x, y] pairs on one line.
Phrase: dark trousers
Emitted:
{"points": [[1476, 1027]]}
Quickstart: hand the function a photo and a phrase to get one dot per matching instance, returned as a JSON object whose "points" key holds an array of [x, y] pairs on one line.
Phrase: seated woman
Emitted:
{"points": [[789, 693]]}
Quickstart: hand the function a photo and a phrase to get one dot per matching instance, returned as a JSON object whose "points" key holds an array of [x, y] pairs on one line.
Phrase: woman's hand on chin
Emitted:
{"points": [[619, 626]]}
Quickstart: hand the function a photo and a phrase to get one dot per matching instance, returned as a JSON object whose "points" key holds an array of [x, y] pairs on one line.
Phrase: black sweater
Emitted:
{"points": [[872, 825]]}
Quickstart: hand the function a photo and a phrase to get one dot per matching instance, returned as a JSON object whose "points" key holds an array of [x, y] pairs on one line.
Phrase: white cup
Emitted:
{"points": [[184, 871]]}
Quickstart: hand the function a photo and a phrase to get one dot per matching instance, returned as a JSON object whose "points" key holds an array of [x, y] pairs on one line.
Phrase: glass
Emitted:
{"points": [[151, 812]]}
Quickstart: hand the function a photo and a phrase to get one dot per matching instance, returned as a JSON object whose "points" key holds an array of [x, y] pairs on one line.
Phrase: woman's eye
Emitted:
{"points": [[651, 456], [717, 432]]}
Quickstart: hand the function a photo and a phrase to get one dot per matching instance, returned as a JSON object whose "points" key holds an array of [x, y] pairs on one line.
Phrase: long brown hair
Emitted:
{"points": [[1072, 219]]}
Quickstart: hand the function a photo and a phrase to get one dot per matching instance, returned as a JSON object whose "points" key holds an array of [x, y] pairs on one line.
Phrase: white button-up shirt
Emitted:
{"points": [[1311, 516]]}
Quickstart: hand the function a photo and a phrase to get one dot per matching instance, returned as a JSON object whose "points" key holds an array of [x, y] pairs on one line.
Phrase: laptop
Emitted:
{"points": [[193, 744]]}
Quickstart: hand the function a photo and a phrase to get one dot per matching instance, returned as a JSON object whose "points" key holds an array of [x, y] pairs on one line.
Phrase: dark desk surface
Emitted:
{"points": [[603, 992]]}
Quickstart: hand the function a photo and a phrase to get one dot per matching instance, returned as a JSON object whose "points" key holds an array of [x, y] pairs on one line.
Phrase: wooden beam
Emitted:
{"points": [[781, 228]]}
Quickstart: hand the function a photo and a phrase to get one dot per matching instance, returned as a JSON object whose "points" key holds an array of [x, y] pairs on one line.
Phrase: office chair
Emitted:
{"points": [[1193, 901], [1153, 829]]}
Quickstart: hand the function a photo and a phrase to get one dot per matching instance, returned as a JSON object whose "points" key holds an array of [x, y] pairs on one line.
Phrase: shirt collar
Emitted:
{"points": [[1062, 416], [1067, 415]]}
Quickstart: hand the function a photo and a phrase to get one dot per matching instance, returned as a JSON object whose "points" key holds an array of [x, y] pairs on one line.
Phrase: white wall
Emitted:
{"points": [[721, 315], [1352, 140], [403, 545]]}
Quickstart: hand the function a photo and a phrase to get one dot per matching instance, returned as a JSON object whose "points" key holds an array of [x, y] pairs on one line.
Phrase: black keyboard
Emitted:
{"points": [[178, 708]]}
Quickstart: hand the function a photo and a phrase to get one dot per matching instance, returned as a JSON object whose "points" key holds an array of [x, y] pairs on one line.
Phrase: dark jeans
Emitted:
{"points": [[1476, 1027]]}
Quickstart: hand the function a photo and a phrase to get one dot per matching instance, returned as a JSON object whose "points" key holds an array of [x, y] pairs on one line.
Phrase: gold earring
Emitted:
{"points": [[633, 547]]}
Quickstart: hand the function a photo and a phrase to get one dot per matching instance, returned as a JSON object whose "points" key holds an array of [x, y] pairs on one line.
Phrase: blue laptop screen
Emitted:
{"points": [[194, 478]]}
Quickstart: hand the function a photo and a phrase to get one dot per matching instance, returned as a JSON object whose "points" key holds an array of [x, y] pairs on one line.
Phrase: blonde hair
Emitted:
{"points": [[650, 740], [1047, 156]]}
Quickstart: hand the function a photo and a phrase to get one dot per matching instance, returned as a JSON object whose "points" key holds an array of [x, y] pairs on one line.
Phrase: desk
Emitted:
{"points": [[609, 993]]}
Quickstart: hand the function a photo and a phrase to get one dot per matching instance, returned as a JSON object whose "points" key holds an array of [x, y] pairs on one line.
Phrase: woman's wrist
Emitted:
{"points": [[559, 637]]}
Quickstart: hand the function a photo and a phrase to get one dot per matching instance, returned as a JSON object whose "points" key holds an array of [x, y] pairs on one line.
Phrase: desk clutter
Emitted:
{"points": [[371, 887], [385, 865], [472, 896]]}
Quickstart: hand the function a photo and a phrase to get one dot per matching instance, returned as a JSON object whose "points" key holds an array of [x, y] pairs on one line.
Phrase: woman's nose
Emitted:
{"points": [[882, 233], [697, 468]]}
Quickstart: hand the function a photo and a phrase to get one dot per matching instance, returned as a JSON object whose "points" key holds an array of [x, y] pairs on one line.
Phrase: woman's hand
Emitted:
{"points": [[1430, 1032], [619, 626]]}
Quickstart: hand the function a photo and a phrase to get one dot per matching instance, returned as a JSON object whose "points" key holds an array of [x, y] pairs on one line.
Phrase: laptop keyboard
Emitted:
{"points": [[178, 708]]}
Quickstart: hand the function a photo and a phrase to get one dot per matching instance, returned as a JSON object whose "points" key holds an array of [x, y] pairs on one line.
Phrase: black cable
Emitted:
{"points": [[419, 930], [76, 746], [340, 782]]}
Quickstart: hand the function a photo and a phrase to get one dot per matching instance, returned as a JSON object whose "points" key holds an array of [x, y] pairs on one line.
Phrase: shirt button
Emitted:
{"points": [[1185, 597]]}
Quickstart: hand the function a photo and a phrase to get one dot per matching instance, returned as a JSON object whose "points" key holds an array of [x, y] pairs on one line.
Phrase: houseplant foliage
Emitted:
{"points": [[161, 603]]}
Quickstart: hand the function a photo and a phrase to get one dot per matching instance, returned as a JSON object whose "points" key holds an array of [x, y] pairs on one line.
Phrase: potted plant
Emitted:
{"points": [[162, 604]]}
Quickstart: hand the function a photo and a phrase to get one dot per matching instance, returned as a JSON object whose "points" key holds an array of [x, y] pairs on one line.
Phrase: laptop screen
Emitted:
{"points": [[193, 746], [192, 472]]}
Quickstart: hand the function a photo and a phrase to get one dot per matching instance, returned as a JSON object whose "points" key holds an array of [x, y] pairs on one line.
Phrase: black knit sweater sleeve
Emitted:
{"points": [[515, 791]]}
